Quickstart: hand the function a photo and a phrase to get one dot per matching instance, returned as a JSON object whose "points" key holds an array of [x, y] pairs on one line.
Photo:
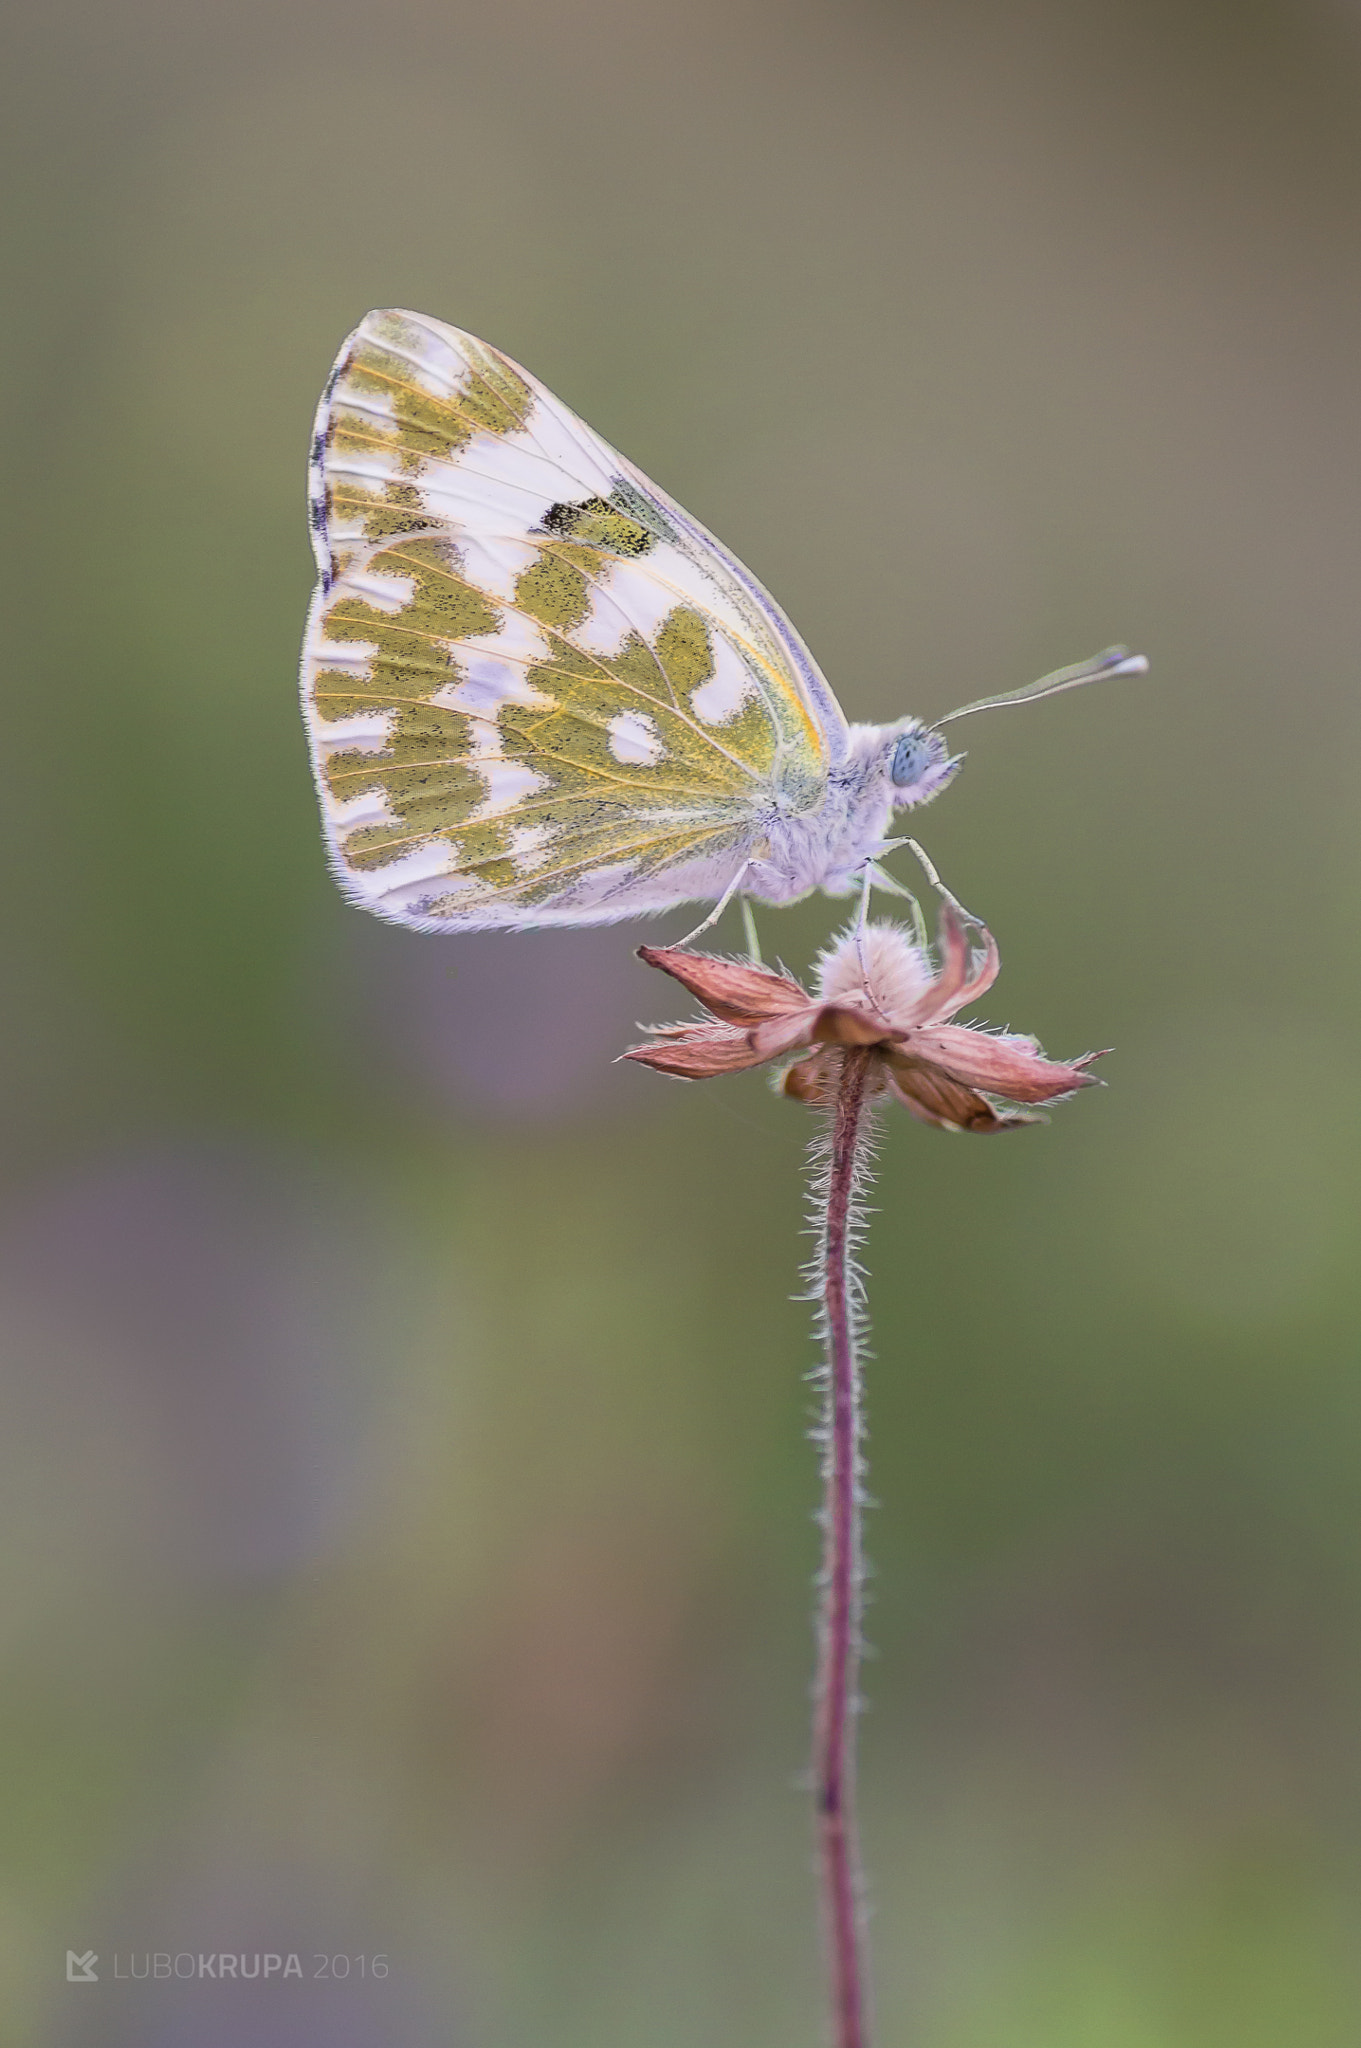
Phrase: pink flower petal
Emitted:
{"points": [[810, 1080], [732, 989], [697, 1052], [822, 1024], [984, 974], [956, 984], [943, 998], [934, 1098], [779, 1035], [852, 1024], [1013, 1067]]}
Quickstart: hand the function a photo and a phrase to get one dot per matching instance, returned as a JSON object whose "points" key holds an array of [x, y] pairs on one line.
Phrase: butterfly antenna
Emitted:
{"points": [[1116, 661]]}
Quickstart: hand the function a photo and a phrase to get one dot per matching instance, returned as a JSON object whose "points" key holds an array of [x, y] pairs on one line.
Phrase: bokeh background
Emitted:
{"points": [[404, 1497]]}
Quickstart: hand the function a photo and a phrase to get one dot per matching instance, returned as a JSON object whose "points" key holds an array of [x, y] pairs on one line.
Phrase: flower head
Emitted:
{"points": [[876, 989]]}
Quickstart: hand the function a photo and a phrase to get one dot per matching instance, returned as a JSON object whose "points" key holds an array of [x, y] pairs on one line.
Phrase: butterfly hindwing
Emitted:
{"points": [[536, 691]]}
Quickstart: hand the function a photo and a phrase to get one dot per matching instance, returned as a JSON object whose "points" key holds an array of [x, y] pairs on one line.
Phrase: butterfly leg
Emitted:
{"points": [[749, 927], [890, 883], [893, 887], [862, 920], [936, 883], [714, 915]]}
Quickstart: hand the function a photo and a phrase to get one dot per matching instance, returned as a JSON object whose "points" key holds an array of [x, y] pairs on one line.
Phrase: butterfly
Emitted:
{"points": [[537, 692]]}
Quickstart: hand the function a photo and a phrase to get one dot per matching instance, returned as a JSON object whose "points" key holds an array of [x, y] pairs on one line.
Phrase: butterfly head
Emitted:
{"points": [[919, 764]]}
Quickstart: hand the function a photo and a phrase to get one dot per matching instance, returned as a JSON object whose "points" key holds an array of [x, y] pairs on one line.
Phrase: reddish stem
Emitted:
{"points": [[839, 1620]]}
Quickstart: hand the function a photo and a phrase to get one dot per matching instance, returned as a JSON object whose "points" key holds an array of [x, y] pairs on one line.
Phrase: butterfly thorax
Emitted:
{"points": [[827, 848]]}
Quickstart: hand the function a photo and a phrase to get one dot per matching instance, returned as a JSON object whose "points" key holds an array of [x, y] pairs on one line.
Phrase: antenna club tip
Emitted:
{"points": [[1129, 665]]}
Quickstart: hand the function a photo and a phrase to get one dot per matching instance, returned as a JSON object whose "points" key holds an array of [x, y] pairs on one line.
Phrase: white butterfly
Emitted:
{"points": [[538, 692]]}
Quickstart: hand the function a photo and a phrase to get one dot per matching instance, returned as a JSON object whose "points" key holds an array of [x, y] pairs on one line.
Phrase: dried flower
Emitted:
{"points": [[877, 989]]}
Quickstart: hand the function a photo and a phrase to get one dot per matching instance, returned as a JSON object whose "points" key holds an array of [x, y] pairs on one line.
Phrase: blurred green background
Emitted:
{"points": [[404, 1499]]}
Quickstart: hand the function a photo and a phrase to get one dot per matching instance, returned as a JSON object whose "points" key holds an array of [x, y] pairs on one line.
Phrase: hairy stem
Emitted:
{"points": [[839, 1645]]}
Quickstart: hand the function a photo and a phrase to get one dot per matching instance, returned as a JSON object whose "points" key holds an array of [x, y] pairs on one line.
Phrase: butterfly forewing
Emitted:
{"points": [[535, 689]]}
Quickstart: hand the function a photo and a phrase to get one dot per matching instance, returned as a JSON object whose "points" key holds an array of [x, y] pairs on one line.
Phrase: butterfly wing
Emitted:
{"points": [[536, 690]]}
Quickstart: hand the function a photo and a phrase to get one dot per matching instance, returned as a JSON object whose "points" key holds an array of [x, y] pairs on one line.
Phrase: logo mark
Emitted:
{"points": [[81, 1969]]}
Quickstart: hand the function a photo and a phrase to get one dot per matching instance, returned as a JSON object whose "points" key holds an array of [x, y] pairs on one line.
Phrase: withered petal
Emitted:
{"points": [[778, 1035], [810, 1080], [942, 998], [934, 1098], [697, 1052], [844, 1023], [735, 990], [960, 980], [984, 973], [1013, 1067], [836, 1023]]}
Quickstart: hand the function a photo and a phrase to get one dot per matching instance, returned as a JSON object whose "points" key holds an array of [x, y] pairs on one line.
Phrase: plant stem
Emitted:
{"points": [[839, 1642]]}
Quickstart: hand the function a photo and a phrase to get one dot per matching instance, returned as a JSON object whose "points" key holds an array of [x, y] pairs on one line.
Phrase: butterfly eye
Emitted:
{"points": [[913, 754]]}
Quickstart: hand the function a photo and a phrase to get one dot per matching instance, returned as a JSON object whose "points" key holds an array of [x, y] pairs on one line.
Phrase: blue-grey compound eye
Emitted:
{"points": [[914, 754]]}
